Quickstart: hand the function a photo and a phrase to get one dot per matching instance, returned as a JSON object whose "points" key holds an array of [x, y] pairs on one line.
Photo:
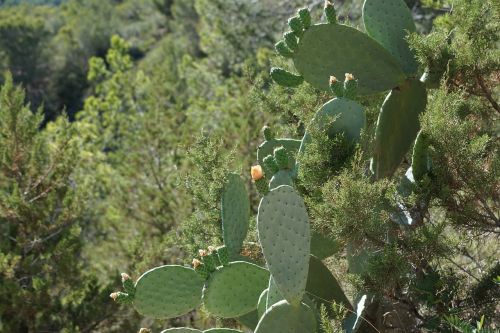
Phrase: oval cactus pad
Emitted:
{"points": [[397, 126], [181, 330], [235, 213], [319, 277], [234, 290], [347, 115], [283, 317], [168, 291], [388, 22], [261, 305], [284, 234], [335, 49]]}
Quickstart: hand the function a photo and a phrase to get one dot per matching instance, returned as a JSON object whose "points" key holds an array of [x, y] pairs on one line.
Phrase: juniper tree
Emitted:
{"points": [[41, 209]]}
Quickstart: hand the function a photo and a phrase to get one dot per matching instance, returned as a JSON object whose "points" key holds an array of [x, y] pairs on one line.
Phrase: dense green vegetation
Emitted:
{"points": [[119, 121]]}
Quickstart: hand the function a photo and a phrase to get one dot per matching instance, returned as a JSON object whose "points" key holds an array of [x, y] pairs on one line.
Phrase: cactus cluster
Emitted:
{"points": [[285, 294]]}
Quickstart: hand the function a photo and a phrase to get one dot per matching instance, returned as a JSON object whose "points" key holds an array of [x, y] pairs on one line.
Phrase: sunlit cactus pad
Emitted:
{"points": [[283, 317], [389, 22], [268, 146], [168, 291], [234, 290], [282, 177], [335, 49], [235, 213], [341, 116], [284, 234], [397, 126]]}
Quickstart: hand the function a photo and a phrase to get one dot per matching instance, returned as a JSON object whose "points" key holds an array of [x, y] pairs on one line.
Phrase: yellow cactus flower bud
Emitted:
{"points": [[114, 296], [333, 79], [202, 253], [256, 172], [144, 330], [211, 249], [196, 263], [125, 277], [349, 77]]}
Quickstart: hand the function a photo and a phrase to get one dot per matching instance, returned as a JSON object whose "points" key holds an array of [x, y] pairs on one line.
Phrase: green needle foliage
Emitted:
{"points": [[41, 211]]}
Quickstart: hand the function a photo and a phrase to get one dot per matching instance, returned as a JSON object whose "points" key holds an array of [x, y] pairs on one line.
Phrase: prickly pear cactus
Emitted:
{"points": [[262, 304], [168, 291], [389, 22], [284, 317], [268, 146], [234, 290], [320, 276], [421, 163], [235, 213], [321, 50], [284, 234], [397, 126], [341, 116]]}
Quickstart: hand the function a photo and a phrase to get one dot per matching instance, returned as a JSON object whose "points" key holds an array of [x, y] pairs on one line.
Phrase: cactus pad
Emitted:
{"points": [[397, 126], [273, 294], [319, 277], [268, 146], [388, 22], [323, 247], [335, 49], [249, 320], [282, 177], [235, 213], [168, 291], [420, 161], [284, 234], [181, 330], [262, 304], [283, 317], [342, 115], [234, 290], [222, 330]]}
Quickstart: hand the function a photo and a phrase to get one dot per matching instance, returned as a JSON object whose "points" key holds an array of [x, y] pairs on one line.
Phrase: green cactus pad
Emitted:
{"points": [[234, 290], [320, 276], [283, 317], [285, 78], [267, 148], [348, 116], [168, 291], [249, 320], [389, 22], [284, 234], [222, 330], [235, 213], [262, 304], [335, 49], [282, 177], [323, 247], [420, 162], [273, 294], [397, 126], [181, 330]]}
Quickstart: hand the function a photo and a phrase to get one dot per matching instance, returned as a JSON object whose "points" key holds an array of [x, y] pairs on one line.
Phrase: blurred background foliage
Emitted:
{"points": [[113, 157]]}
